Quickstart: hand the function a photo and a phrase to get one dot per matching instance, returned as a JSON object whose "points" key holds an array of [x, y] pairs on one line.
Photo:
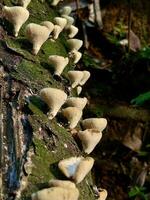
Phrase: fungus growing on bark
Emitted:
{"points": [[55, 2], [16, 15], [72, 31], [49, 25], [24, 3], [75, 77], [73, 116], [75, 56], [74, 44], [56, 31], [54, 98], [102, 194], [38, 34], [70, 20], [61, 183], [58, 193], [66, 10], [59, 63], [76, 168], [86, 76], [79, 90], [60, 21], [94, 123], [89, 138], [77, 102]]}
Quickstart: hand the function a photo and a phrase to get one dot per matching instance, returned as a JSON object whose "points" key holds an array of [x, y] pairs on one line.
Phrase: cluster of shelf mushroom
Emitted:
{"points": [[74, 168]]}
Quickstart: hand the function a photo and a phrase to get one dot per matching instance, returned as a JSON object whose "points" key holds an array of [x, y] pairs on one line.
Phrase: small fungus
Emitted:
{"points": [[94, 123], [86, 76], [59, 193], [73, 115], [79, 90], [89, 138], [74, 44], [76, 168], [75, 78], [54, 98], [38, 34], [102, 194], [77, 102], [16, 15], [70, 20], [60, 21], [55, 2], [61, 183], [56, 31], [66, 10], [72, 30], [75, 56], [59, 63]]}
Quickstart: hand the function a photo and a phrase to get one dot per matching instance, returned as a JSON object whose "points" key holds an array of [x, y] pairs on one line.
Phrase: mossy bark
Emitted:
{"points": [[22, 77]]}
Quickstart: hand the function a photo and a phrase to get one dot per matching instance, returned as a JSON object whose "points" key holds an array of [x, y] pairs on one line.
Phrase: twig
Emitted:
{"points": [[98, 15], [129, 23]]}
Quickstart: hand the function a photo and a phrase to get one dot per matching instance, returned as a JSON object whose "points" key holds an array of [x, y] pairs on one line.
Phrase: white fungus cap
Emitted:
{"points": [[61, 183], [37, 35], [79, 90], [73, 116], [54, 98], [102, 194], [54, 193], [75, 77], [94, 123], [24, 3], [60, 21], [48, 25], [89, 138], [70, 20], [74, 44], [86, 76], [55, 2], [75, 56], [66, 10], [59, 63], [76, 167], [56, 31], [16, 15], [77, 102], [72, 31]]}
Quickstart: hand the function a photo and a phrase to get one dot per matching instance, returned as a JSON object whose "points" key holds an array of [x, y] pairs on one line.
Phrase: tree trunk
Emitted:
{"points": [[30, 144]]}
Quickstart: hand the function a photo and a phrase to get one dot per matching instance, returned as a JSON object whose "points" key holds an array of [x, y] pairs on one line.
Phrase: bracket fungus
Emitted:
{"points": [[60, 21], [74, 44], [59, 63], [76, 168], [86, 76], [89, 138], [75, 56], [72, 31], [70, 20], [73, 115], [66, 10], [16, 15], [75, 77], [94, 123], [49, 25], [54, 98], [79, 90], [56, 31], [24, 3], [102, 194], [77, 102], [55, 2], [58, 193], [61, 183], [38, 34]]}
